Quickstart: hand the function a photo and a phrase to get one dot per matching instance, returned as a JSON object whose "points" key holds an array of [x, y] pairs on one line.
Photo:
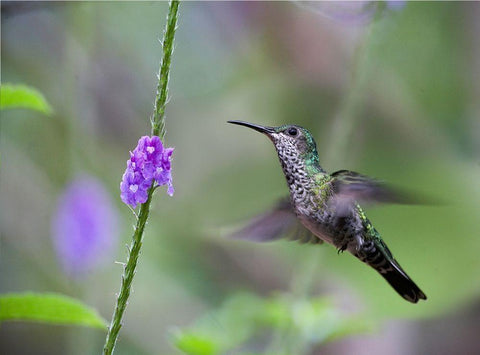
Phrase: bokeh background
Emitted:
{"points": [[394, 95]]}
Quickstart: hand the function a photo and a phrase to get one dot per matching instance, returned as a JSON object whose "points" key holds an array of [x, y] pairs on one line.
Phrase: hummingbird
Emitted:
{"points": [[325, 207]]}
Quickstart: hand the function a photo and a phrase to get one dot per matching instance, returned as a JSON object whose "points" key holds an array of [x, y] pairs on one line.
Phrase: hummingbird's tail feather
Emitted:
{"points": [[403, 284], [378, 256]]}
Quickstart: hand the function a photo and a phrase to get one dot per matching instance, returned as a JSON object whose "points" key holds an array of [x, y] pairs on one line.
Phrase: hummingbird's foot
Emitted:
{"points": [[342, 248]]}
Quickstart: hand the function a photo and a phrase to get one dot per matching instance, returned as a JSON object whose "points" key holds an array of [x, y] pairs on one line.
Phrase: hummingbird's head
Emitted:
{"points": [[291, 141]]}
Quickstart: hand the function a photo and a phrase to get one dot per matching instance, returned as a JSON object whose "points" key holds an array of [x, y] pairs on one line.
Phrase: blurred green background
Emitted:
{"points": [[398, 99]]}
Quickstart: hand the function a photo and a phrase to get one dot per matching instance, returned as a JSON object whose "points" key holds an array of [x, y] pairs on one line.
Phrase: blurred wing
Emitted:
{"points": [[350, 187], [278, 223]]}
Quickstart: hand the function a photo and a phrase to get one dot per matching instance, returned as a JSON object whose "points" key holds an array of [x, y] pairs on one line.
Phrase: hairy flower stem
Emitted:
{"points": [[158, 117], [127, 277], [158, 127]]}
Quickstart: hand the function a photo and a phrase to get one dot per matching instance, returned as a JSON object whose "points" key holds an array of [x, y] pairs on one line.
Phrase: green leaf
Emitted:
{"points": [[48, 308], [22, 96], [195, 344]]}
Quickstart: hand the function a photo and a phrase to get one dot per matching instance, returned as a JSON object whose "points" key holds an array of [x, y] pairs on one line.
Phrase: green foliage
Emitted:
{"points": [[196, 344], [225, 328], [48, 308], [22, 96], [244, 318]]}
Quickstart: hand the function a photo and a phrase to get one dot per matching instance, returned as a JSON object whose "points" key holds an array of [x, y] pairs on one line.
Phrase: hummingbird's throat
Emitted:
{"points": [[295, 172]]}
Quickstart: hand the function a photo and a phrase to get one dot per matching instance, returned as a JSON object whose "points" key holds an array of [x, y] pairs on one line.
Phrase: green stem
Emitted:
{"points": [[127, 277], [158, 117], [158, 127]]}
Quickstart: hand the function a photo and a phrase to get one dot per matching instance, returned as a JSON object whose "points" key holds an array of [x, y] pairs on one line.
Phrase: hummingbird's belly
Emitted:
{"points": [[318, 229], [344, 232], [343, 229]]}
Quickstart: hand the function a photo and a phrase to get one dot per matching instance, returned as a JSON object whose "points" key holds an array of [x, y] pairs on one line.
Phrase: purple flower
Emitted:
{"points": [[151, 147], [134, 188], [167, 158], [148, 162], [84, 227], [136, 161]]}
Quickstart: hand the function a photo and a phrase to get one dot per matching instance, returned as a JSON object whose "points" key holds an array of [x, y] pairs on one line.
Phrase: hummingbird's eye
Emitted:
{"points": [[292, 131]]}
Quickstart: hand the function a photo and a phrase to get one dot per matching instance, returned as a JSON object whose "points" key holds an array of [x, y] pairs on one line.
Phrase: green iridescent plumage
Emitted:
{"points": [[326, 207]]}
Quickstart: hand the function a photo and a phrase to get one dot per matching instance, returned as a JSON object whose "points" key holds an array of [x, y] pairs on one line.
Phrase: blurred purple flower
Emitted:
{"points": [[149, 162], [84, 227]]}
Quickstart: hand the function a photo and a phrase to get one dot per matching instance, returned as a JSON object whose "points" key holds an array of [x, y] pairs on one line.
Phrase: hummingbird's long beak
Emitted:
{"points": [[262, 129]]}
